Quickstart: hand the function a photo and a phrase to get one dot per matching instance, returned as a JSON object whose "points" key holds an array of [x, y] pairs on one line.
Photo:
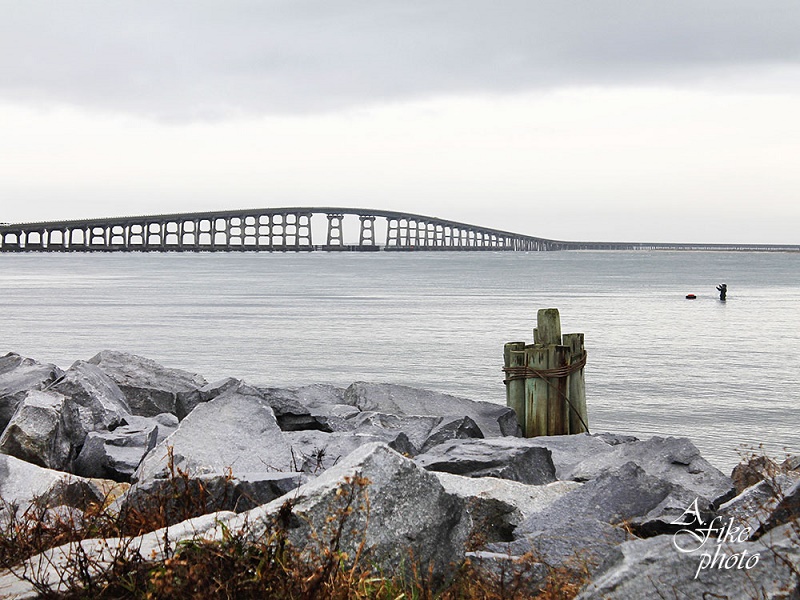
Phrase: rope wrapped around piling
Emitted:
{"points": [[525, 372]]}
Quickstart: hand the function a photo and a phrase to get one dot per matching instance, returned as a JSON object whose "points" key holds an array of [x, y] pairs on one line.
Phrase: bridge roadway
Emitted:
{"points": [[290, 229]]}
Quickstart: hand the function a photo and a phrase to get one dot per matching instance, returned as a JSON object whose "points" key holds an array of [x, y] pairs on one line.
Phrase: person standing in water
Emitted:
{"points": [[723, 291]]}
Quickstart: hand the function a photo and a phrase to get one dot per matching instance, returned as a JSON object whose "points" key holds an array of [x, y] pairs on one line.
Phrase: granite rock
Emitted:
{"points": [[581, 528], [37, 433], [653, 568], [754, 508], [672, 459], [94, 402], [18, 376], [180, 498], [506, 458], [494, 420], [149, 387], [398, 511], [498, 506], [233, 433], [117, 454], [25, 487], [315, 451], [568, 451]]}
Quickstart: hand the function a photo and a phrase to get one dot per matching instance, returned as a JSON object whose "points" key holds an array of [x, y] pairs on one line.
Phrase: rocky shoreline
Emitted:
{"points": [[447, 479]]}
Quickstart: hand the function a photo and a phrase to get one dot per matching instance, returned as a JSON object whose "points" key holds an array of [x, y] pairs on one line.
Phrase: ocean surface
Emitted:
{"points": [[727, 375]]}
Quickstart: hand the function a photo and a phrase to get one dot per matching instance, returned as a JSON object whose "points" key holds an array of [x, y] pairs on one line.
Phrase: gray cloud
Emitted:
{"points": [[203, 59]]}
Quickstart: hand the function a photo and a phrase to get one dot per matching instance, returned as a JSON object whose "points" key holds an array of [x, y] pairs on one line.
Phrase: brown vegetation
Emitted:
{"points": [[240, 565]]}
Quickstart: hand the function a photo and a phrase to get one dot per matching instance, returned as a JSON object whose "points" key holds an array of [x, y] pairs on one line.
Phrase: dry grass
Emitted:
{"points": [[239, 565]]}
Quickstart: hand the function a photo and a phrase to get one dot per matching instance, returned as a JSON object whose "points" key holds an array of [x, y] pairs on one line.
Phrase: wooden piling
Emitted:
{"points": [[536, 390], [576, 386], [548, 376], [514, 357], [557, 403], [548, 325]]}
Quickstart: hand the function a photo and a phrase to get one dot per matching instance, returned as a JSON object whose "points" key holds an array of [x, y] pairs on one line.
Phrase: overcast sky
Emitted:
{"points": [[629, 120]]}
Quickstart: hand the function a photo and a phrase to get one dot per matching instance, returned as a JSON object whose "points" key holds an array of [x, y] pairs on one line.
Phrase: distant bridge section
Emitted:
{"points": [[292, 229], [266, 229]]}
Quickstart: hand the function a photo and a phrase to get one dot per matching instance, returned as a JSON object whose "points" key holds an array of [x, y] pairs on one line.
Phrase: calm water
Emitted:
{"points": [[725, 374]]}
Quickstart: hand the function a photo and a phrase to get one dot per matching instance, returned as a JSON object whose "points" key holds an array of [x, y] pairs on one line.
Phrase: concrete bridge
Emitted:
{"points": [[293, 229]]}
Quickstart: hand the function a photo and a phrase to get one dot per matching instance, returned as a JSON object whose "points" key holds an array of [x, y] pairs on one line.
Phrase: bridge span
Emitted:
{"points": [[292, 229]]}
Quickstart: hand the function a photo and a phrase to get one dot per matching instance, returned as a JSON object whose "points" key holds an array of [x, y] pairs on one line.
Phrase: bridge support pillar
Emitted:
{"points": [[392, 232], [366, 236], [335, 230], [420, 234], [302, 230]]}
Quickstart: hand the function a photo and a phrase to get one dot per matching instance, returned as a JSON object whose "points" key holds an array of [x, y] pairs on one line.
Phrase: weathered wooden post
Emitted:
{"points": [[550, 379], [576, 385], [514, 358], [535, 392]]}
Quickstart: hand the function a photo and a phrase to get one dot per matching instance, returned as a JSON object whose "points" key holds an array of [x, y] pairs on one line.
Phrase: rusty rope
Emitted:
{"points": [[525, 372]]}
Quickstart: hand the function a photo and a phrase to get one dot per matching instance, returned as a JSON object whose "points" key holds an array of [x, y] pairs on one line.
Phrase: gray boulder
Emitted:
{"points": [[324, 403], [575, 546], [753, 509], [36, 432], [149, 387], [569, 451], [787, 510], [167, 423], [494, 420], [319, 396], [506, 458], [655, 568], [336, 411], [49, 428], [672, 459], [179, 498], [234, 432], [452, 428], [498, 506], [291, 414], [62, 516], [25, 487], [315, 451], [117, 454], [94, 401], [416, 428], [251, 490], [524, 499], [218, 388], [581, 528], [792, 463], [422, 431], [614, 439], [398, 511], [19, 375]]}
